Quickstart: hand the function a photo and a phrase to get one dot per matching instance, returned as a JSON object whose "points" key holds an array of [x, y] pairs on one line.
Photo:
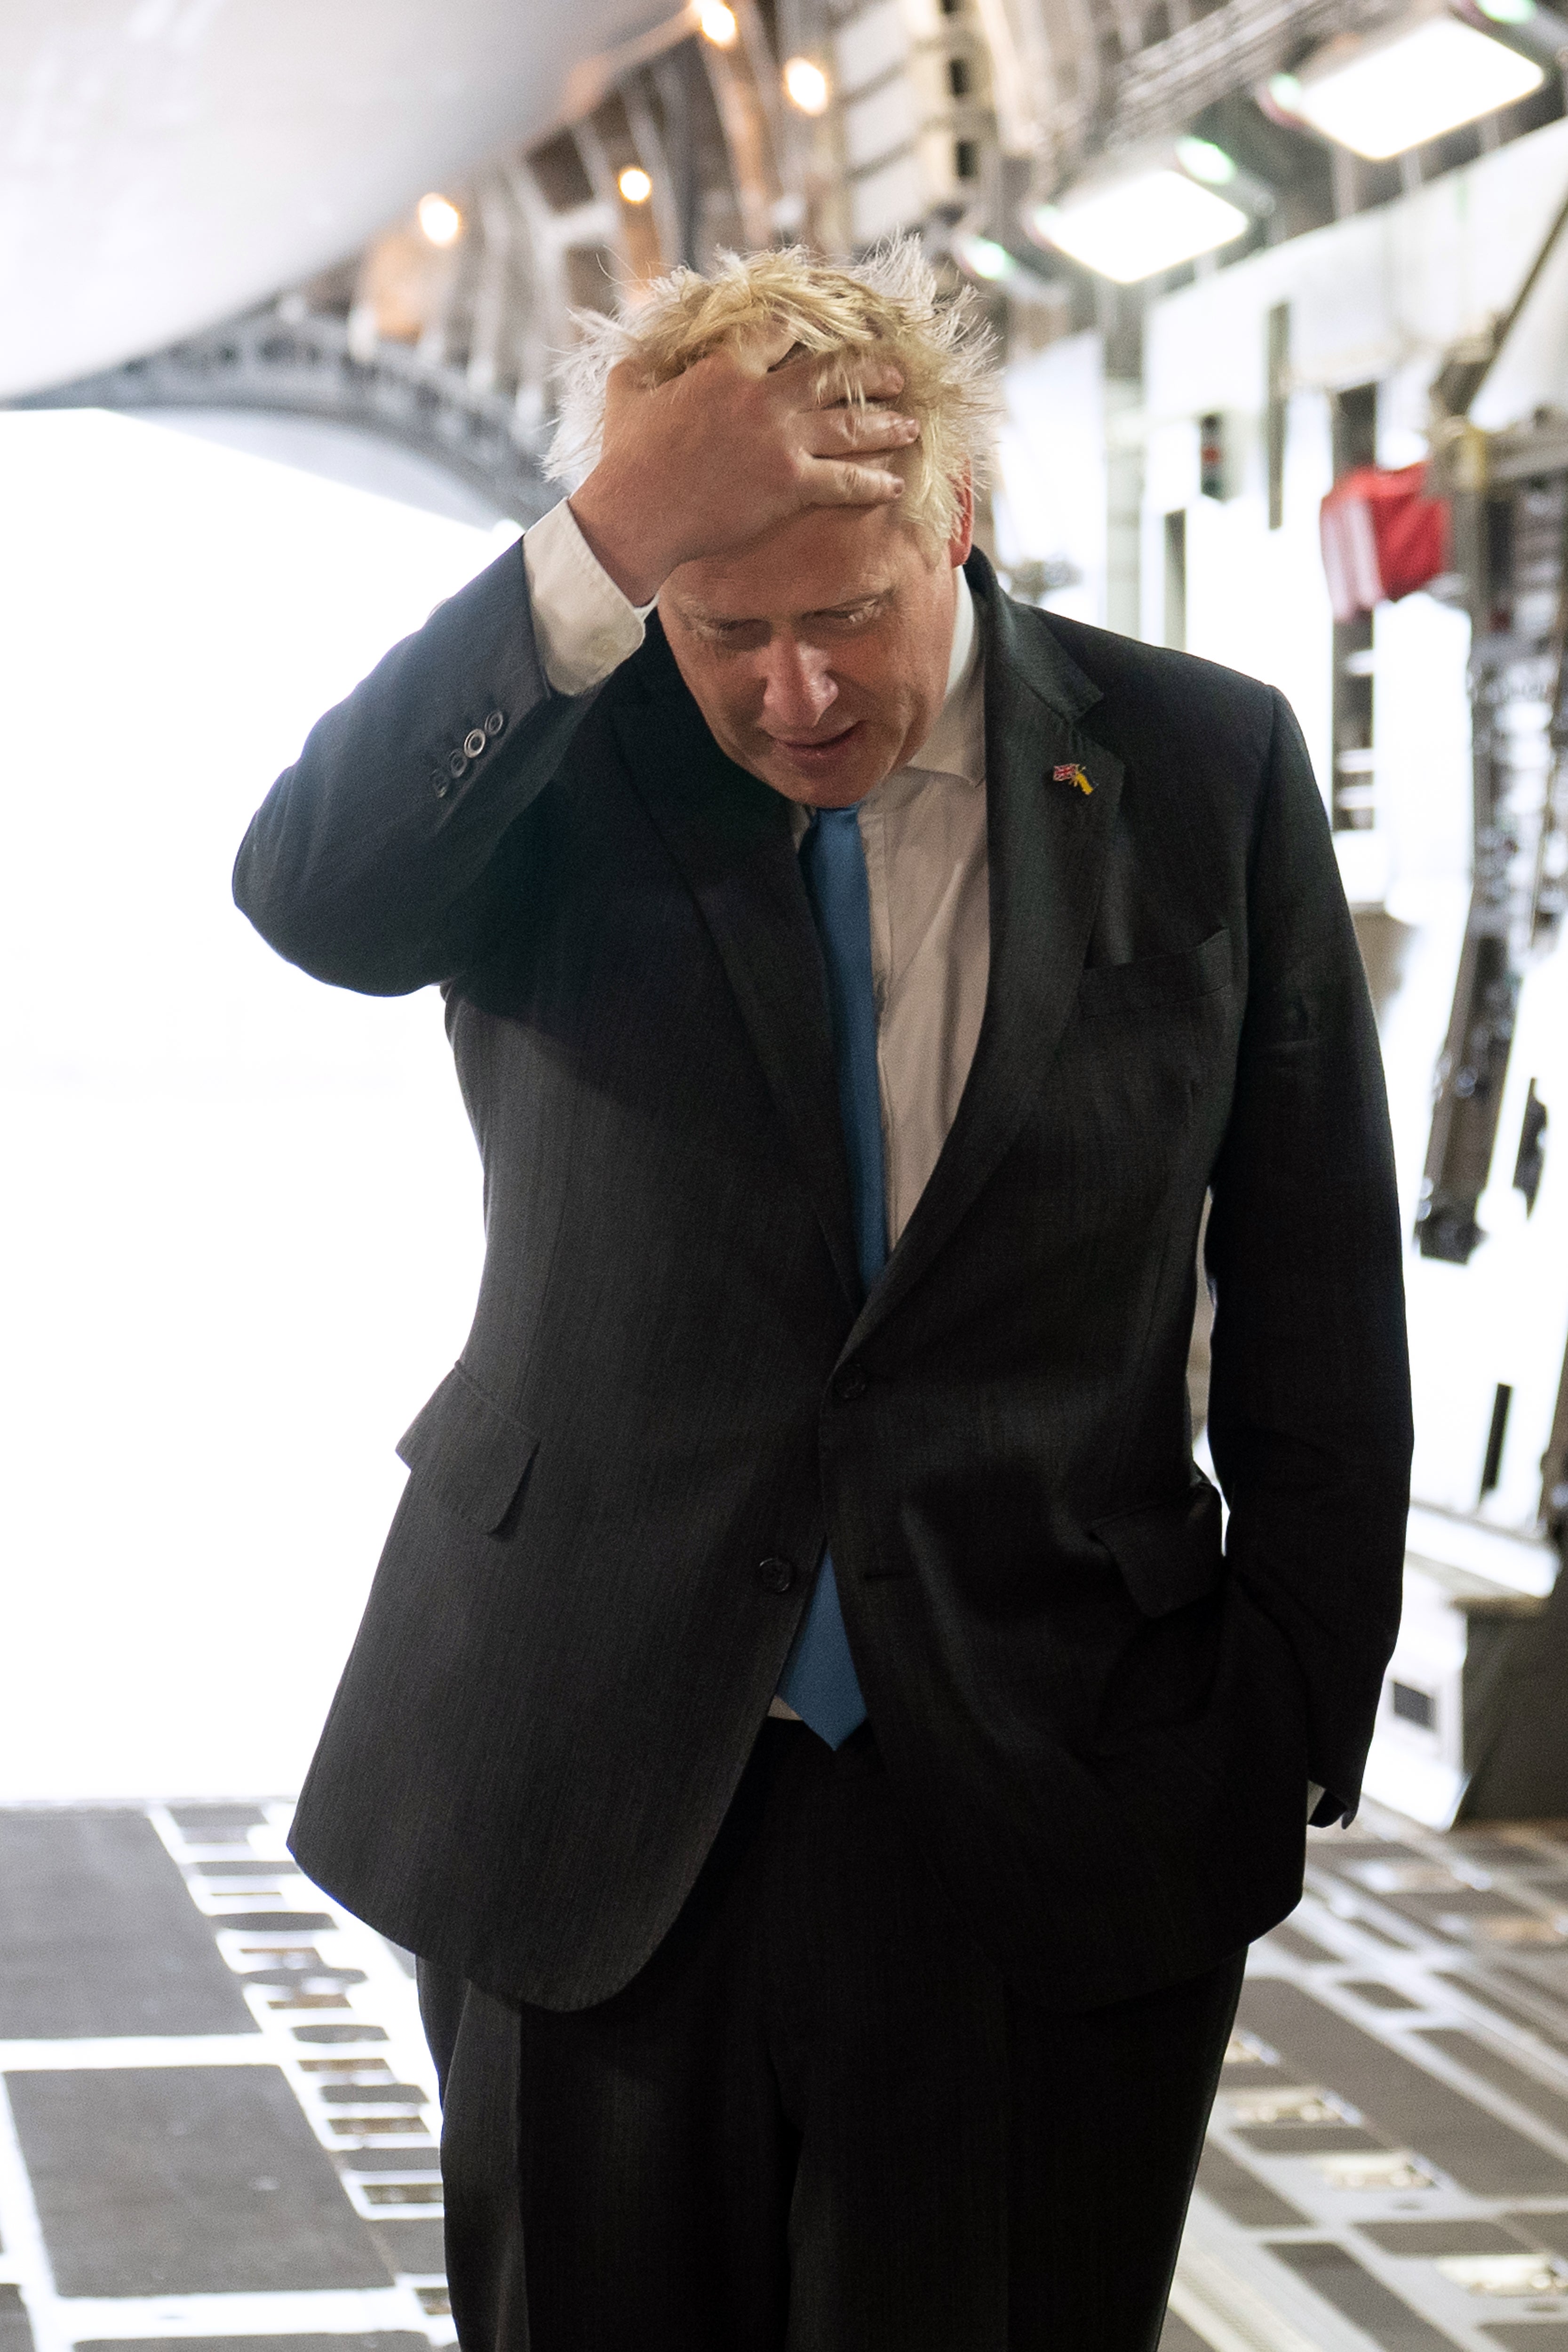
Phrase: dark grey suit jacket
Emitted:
{"points": [[671, 1395]]}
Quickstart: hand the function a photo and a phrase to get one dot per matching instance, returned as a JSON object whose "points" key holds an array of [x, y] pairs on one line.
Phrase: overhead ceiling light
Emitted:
{"points": [[716, 23], [635, 184], [1146, 221], [806, 86], [1389, 91], [440, 219]]}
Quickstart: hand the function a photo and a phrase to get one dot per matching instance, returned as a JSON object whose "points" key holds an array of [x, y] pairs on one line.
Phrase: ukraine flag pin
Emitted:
{"points": [[1067, 773]]}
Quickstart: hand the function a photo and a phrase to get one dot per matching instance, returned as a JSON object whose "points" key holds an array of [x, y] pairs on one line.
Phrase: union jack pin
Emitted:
{"points": [[1067, 773]]}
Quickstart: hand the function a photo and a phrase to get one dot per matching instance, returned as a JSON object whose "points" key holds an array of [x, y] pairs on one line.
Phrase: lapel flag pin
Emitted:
{"points": [[1068, 773]]}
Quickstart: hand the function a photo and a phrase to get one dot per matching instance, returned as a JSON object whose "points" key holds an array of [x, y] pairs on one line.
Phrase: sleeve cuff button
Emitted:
{"points": [[495, 722], [474, 742], [457, 766]]}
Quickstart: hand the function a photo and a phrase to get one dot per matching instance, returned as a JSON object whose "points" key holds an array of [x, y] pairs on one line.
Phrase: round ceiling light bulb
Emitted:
{"points": [[440, 219], [635, 184], [716, 23], [805, 85]]}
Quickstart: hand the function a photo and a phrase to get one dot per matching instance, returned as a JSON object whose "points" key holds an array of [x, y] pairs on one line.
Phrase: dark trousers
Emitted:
{"points": [[819, 2120]]}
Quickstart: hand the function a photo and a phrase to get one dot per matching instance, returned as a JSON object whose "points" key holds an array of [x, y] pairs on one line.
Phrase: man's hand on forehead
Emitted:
{"points": [[833, 380], [750, 435], [871, 373]]}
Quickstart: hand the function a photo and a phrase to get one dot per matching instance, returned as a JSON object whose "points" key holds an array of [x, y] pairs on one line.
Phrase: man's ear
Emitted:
{"points": [[962, 539]]}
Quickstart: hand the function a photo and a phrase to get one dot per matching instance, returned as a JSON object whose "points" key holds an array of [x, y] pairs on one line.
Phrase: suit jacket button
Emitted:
{"points": [[849, 1386], [457, 766], [495, 722], [474, 742], [439, 785], [775, 1575]]}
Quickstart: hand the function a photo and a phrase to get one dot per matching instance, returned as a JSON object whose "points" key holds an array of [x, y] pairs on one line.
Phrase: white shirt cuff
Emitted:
{"points": [[582, 626]]}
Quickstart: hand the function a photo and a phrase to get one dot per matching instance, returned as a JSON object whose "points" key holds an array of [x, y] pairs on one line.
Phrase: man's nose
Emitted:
{"points": [[797, 690]]}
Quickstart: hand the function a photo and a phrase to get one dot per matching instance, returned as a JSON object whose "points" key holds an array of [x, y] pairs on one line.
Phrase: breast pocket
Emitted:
{"points": [[1152, 985], [468, 1452]]}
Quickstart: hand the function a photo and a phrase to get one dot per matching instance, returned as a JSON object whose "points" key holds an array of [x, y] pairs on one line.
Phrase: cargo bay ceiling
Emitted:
{"points": [[216, 204]]}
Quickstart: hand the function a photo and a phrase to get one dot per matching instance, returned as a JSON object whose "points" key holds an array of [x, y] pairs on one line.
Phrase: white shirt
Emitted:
{"points": [[923, 830]]}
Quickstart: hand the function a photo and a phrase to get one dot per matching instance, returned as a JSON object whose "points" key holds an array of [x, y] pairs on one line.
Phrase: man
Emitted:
{"points": [[806, 1721]]}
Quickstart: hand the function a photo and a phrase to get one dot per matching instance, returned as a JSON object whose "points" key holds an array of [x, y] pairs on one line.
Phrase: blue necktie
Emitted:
{"points": [[819, 1679]]}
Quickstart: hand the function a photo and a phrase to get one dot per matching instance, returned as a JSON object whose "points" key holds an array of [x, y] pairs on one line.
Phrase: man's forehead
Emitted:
{"points": [[819, 562]]}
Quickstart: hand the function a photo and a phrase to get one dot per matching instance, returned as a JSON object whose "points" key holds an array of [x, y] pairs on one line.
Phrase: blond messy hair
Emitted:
{"points": [[889, 305]]}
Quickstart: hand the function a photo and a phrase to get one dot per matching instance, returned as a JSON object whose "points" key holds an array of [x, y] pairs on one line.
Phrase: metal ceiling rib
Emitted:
{"points": [[303, 365], [1164, 85]]}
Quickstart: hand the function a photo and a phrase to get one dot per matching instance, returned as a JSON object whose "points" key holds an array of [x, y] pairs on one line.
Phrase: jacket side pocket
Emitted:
{"points": [[1170, 1553], [469, 1454]]}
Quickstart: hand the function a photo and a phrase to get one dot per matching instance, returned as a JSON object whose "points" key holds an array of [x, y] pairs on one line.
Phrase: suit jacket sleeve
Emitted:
{"points": [[1309, 1397], [379, 861]]}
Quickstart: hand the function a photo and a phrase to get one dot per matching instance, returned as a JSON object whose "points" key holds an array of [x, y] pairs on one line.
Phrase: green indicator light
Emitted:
{"points": [[987, 259], [1202, 160]]}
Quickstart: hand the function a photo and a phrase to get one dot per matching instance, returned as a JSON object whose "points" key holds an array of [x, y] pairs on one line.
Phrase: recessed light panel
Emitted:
{"points": [[1394, 94], [1129, 229]]}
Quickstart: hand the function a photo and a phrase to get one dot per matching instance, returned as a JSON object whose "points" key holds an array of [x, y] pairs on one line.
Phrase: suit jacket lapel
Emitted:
{"points": [[730, 835], [1047, 841]]}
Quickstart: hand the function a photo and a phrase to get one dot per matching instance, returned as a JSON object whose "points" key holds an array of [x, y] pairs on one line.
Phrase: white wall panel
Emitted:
{"points": [[1051, 493]]}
